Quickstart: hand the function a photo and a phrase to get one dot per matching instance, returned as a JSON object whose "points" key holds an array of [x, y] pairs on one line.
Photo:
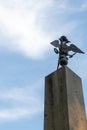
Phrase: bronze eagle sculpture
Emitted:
{"points": [[62, 48]]}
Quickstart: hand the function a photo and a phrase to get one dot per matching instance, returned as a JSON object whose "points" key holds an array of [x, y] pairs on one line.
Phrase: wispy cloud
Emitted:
{"points": [[20, 102], [67, 6], [19, 23], [22, 22], [16, 113]]}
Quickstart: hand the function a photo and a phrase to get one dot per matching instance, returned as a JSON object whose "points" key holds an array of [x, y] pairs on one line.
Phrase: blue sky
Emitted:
{"points": [[26, 29]]}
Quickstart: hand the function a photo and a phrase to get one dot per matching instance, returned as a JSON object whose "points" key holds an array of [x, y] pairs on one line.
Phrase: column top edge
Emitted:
{"points": [[63, 68]]}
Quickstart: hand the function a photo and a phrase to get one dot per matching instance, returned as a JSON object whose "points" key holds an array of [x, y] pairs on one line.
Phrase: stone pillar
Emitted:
{"points": [[64, 103]]}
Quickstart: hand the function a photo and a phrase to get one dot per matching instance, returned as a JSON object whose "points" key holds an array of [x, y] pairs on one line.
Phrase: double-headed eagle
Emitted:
{"points": [[63, 50]]}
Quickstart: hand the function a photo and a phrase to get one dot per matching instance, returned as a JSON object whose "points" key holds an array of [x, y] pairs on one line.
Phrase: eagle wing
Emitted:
{"points": [[74, 48], [55, 43]]}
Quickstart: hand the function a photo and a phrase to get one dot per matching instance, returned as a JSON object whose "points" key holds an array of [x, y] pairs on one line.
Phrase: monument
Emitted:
{"points": [[64, 103]]}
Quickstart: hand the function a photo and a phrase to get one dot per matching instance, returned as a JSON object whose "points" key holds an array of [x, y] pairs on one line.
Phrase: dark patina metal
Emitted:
{"points": [[63, 50]]}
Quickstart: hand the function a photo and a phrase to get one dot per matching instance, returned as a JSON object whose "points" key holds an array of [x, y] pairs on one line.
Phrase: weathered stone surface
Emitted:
{"points": [[64, 104]]}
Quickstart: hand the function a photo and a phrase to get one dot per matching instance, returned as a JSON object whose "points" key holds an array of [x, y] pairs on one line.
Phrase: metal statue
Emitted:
{"points": [[63, 50]]}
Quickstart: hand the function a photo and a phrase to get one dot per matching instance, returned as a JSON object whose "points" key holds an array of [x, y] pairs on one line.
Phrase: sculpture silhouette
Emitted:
{"points": [[63, 50]]}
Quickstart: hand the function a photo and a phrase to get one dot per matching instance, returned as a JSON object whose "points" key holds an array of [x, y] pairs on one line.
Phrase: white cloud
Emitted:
{"points": [[18, 22], [20, 102], [22, 24], [70, 7], [11, 114], [84, 6]]}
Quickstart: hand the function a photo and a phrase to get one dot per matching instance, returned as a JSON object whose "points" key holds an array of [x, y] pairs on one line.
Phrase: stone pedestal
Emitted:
{"points": [[64, 103]]}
